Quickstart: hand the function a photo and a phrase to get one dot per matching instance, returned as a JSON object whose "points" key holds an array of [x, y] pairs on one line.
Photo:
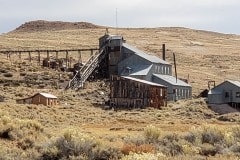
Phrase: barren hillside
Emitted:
{"points": [[201, 55]]}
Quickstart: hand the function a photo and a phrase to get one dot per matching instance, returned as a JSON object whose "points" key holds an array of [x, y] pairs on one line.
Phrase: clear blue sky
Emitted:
{"points": [[212, 15]]}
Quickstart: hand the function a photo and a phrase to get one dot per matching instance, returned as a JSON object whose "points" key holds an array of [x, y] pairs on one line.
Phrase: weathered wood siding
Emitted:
{"points": [[133, 94], [38, 99]]}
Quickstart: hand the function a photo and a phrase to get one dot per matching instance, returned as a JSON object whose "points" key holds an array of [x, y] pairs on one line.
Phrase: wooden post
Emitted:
{"points": [[57, 61], [56, 54], [19, 55], [47, 54], [67, 59], [80, 57], [29, 56], [163, 52], [7, 55], [70, 62], [175, 66], [39, 58]]}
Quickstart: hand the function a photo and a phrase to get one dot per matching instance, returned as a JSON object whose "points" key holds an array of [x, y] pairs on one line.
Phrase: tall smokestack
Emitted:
{"points": [[175, 66], [163, 52]]}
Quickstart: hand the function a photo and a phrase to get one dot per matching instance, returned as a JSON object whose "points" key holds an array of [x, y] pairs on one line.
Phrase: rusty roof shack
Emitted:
{"points": [[129, 92], [39, 98]]}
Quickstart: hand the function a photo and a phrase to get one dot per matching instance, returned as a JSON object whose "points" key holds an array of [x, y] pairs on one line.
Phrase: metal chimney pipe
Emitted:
{"points": [[175, 66], [163, 52]]}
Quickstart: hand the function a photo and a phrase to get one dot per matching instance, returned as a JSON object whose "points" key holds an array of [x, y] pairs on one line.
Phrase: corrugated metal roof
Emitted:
{"points": [[114, 37], [172, 80], [138, 70], [47, 95], [148, 57], [143, 81], [236, 83], [212, 91]]}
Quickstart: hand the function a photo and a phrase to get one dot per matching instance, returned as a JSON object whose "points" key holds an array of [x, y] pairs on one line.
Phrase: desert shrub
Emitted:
{"points": [[23, 74], [14, 153], [212, 135], [151, 134], [235, 148], [26, 143], [144, 156], [106, 152], [172, 149], [143, 148], [169, 138], [15, 129], [236, 133], [138, 140], [190, 137], [3, 70], [208, 150], [170, 145], [7, 153], [74, 144], [7, 74]]}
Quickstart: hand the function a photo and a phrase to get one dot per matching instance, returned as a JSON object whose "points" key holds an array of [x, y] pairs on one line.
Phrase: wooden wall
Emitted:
{"points": [[134, 94]]}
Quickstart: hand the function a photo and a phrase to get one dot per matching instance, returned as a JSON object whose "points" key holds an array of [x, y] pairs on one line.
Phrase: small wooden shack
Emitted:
{"points": [[39, 98], [131, 92]]}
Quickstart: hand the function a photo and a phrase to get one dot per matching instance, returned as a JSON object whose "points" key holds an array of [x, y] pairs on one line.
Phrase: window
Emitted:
{"points": [[226, 94], [161, 92], [159, 69], [237, 94], [156, 68]]}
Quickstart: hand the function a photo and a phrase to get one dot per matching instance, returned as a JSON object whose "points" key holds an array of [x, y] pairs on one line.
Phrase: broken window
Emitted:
{"points": [[237, 94]]}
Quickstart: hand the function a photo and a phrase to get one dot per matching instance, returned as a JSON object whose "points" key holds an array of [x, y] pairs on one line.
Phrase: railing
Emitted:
{"points": [[82, 75]]}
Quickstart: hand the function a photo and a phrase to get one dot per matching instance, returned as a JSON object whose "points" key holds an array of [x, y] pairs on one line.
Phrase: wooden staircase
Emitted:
{"points": [[82, 75]]}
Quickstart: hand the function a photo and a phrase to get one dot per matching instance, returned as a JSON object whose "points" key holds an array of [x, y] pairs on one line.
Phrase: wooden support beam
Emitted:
{"points": [[39, 58], [56, 54], [70, 62], [29, 56], [67, 59], [20, 55], [8, 55], [47, 54], [80, 57]]}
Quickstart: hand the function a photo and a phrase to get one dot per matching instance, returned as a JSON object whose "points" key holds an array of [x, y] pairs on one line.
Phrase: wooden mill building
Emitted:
{"points": [[126, 60], [131, 92], [133, 67]]}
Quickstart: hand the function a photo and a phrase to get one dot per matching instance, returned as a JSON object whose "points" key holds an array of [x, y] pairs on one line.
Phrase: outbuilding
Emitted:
{"points": [[227, 92], [39, 98]]}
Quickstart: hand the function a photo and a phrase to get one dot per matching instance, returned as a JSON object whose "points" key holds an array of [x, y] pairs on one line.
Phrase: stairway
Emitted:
{"points": [[82, 75]]}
